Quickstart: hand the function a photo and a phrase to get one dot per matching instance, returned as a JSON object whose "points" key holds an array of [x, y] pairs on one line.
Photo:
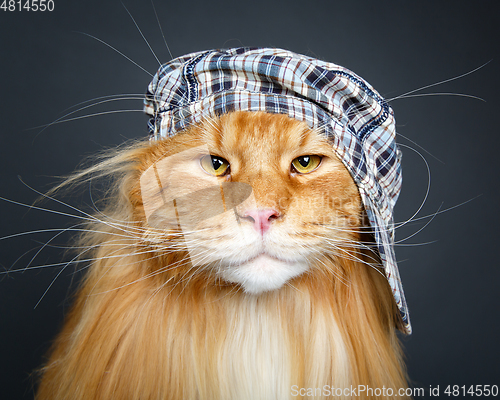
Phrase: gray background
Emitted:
{"points": [[451, 284]]}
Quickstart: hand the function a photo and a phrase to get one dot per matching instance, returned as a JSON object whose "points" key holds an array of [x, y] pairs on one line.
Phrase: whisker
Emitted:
{"points": [[53, 280], [44, 246], [415, 244], [161, 30], [107, 100], [75, 260], [127, 96], [289, 284], [88, 217], [428, 185], [421, 229], [443, 211], [118, 51], [60, 121], [6, 272], [139, 29], [439, 83], [54, 212], [335, 273], [416, 144], [442, 94], [127, 284]]}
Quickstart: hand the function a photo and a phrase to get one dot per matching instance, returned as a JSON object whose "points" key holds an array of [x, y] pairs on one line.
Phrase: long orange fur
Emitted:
{"points": [[145, 324]]}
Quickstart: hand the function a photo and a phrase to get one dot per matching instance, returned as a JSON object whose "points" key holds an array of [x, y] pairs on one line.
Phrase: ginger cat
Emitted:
{"points": [[234, 262]]}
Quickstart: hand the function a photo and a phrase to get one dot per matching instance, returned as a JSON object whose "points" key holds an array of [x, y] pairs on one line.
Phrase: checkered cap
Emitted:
{"points": [[357, 120]]}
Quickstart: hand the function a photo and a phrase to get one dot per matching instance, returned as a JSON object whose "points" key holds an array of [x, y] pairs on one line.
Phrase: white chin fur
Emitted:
{"points": [[263, 273]]}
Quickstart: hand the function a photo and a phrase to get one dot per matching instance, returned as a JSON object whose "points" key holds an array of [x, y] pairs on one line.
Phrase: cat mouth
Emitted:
{"points": [[263, 273], [263, 256]]}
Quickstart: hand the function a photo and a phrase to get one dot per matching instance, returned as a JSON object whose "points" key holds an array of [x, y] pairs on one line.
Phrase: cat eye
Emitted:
{"points": [[306, 164], [214, 165]]}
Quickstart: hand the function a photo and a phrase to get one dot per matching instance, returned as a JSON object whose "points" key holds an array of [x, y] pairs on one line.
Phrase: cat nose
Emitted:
{"points": [[261, 218]]}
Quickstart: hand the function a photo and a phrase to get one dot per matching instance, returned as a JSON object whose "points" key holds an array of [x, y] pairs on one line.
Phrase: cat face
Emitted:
{"points": [[258, 198]]}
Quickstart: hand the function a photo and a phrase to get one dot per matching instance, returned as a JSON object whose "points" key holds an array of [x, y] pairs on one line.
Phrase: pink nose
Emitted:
{"points": [[261, 219]]}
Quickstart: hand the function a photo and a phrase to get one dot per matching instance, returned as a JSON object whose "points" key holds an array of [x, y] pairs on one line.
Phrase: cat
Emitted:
{"points": [[235, 259], [180, 307]]}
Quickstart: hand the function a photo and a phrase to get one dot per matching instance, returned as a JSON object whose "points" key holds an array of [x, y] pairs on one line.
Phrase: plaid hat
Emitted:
{"points": [[357, 120]]}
